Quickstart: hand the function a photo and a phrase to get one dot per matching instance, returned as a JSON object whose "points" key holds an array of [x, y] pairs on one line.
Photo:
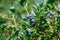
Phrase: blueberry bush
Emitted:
{"points": [[29, 19]]}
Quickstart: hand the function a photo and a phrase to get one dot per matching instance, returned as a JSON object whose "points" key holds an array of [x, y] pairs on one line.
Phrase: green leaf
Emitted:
{"points": [[1, 9], [2, 20], [2, 37], [22, 2]]}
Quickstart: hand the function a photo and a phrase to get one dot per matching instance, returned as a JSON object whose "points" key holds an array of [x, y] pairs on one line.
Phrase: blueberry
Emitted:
{"points": [[19, 35], [59, 9], [53, 13], [49, 15], [29, 33], [32, 20], [29, 16], [32, 23]]}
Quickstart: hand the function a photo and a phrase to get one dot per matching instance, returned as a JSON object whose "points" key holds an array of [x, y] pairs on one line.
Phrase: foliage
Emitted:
{"points": [[29, 19]]}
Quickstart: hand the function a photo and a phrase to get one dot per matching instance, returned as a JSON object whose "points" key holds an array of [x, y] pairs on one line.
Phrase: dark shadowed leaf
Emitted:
{"points": [[2, 20]]}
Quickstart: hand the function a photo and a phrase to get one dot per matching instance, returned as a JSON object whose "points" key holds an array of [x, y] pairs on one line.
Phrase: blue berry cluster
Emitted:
{"points": [[50, 14], [30, 17]]}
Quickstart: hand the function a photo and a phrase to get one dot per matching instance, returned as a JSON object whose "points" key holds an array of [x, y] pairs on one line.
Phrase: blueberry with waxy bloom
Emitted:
{"points": [[19, 34], [29, 31], [49, 15], [53, 13], [33, 20], [32, 23], [58, 9], [29, 16]]}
